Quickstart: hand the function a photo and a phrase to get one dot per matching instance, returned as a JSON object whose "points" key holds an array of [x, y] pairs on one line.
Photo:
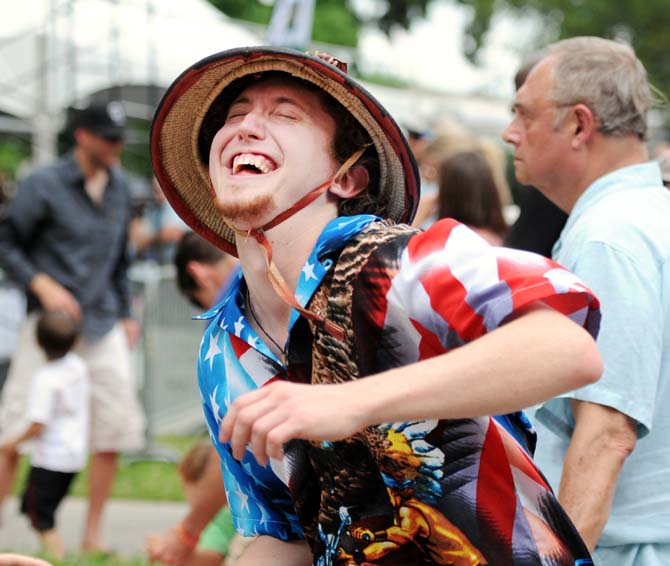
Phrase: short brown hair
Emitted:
{"points": [[194, 463], [56, 333], [192, 247]]}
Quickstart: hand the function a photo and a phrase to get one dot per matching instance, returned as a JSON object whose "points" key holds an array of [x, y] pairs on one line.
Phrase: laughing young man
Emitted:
{"points": [[285, 161]]}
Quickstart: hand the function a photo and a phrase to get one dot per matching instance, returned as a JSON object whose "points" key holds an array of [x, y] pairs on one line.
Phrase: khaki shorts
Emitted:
{"points": [[117, 420]]}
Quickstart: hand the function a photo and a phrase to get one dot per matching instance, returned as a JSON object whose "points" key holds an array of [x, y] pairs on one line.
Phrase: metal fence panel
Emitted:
{"points": [[165, 358], [167, 354]]}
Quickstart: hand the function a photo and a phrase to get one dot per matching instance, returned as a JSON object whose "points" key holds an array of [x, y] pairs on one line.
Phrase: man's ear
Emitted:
{"points": [[351, 184], [196, 270], [584, 125], [80, 135]]}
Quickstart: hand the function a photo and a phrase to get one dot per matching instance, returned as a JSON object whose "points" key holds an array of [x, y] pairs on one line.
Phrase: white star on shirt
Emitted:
{"points": [[248, 469], [265, 516], [215, 405], [344, 221], [250, 473], [213, 349], [239, 327], [308, 271], [243, 498]]}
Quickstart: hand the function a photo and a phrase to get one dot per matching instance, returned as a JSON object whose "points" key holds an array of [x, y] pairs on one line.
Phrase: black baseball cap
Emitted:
{"points": [[104, 119]]}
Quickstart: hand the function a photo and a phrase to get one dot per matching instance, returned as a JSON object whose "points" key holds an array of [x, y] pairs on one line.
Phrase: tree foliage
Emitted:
{"points": [[399, 13], [644, 24], [334, 22]]}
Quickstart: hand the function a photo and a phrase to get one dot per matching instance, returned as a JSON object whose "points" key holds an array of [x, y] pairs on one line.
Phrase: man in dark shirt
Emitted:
{"points": [[63, 238]]}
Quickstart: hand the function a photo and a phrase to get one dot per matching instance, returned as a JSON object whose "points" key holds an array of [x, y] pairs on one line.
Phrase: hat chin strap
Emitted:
{"points": [[276, 279]]}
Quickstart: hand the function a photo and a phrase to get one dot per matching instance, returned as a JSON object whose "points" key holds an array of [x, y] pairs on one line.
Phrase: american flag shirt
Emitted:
{"points": [[450, 492]]}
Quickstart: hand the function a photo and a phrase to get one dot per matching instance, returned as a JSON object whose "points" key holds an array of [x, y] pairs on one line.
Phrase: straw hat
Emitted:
{"points": [[183, 127]]}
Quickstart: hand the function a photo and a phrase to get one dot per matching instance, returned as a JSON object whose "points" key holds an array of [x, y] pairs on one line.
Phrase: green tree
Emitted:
{"points": [[399, 13], [13, 151], [334, 22], [644, 24]]}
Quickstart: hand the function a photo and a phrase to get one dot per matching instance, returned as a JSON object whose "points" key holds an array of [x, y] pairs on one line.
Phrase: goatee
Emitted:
{"points": [[246, 210]]}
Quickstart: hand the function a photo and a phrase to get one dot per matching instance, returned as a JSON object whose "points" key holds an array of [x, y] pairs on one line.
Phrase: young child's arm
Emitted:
{"points": [[33, 430]]}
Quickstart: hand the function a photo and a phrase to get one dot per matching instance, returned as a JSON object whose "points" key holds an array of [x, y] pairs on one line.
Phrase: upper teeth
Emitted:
{"points": [[261, 163]]}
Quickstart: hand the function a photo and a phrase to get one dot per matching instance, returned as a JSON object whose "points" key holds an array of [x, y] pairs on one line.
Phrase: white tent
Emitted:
{"points": [[54, 53]]}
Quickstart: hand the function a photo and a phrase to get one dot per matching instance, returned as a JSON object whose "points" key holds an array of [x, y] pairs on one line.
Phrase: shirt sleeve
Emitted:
{"points": [[259, 501], [41, 398], [17, 228], [630, 339], [458, 286]]}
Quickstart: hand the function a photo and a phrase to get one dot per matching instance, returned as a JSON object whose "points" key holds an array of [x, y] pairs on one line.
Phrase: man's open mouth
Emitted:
{"points": [[252, 164]]}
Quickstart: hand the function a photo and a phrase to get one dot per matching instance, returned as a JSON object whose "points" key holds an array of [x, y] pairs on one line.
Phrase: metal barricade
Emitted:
{"points": [[166, 357], [164, 360]]}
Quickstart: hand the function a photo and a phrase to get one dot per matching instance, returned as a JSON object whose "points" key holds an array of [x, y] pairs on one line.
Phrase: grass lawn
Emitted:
{"points": [[136, 479]]}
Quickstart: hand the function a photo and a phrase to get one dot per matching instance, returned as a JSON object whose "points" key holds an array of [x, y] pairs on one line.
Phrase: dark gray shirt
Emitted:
{"points": [[53, 226]]}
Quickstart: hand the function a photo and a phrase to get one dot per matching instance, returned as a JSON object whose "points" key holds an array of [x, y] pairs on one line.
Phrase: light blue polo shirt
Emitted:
{"points": [[617, 240]]}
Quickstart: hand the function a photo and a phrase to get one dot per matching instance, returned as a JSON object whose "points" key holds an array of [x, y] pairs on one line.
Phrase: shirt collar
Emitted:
{"points": [[71, 169], [231, 280], [74, 175], [333, 238], [229, 313], [646, 174]]}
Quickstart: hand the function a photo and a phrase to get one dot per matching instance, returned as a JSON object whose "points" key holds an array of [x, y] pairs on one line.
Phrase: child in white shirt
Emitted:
{"points": [[58, 411]]}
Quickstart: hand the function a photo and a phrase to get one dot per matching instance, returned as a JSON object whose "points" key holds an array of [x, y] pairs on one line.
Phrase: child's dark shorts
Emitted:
{"points": [[44, 491]]}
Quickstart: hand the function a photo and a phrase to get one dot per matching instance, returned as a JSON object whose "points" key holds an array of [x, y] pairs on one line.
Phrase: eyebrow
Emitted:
{"points": [[516, 106], [277, 101]]}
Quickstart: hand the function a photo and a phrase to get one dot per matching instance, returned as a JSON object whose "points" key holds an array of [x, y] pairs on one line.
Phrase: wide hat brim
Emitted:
{"points": [[183, 174]]}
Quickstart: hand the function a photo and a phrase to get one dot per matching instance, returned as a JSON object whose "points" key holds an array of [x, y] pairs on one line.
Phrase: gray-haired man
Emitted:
{"points": [[579, 136]]}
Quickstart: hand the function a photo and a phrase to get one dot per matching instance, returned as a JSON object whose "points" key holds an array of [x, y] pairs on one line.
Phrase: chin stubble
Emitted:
{"points": [[246, 210]]}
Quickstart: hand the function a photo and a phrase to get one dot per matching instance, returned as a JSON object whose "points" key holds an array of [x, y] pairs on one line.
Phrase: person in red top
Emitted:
{"points": [[347, 377]]}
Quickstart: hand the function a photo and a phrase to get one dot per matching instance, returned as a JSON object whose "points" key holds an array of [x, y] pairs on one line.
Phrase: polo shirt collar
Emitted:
{"points": [[646, 174]]}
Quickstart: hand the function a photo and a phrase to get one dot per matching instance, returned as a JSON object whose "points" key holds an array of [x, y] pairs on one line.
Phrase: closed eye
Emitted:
{"points": [[235, 116], [286, 110]]}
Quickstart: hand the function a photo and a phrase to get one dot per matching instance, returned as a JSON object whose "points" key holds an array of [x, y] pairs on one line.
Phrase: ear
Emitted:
{"points": [[351, 184], [584, 125], [196, 270], [80, 135]]}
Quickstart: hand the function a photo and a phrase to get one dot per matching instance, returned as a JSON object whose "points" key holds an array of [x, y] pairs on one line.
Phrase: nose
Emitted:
{"points": [[510, 134], [252, 126]]}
